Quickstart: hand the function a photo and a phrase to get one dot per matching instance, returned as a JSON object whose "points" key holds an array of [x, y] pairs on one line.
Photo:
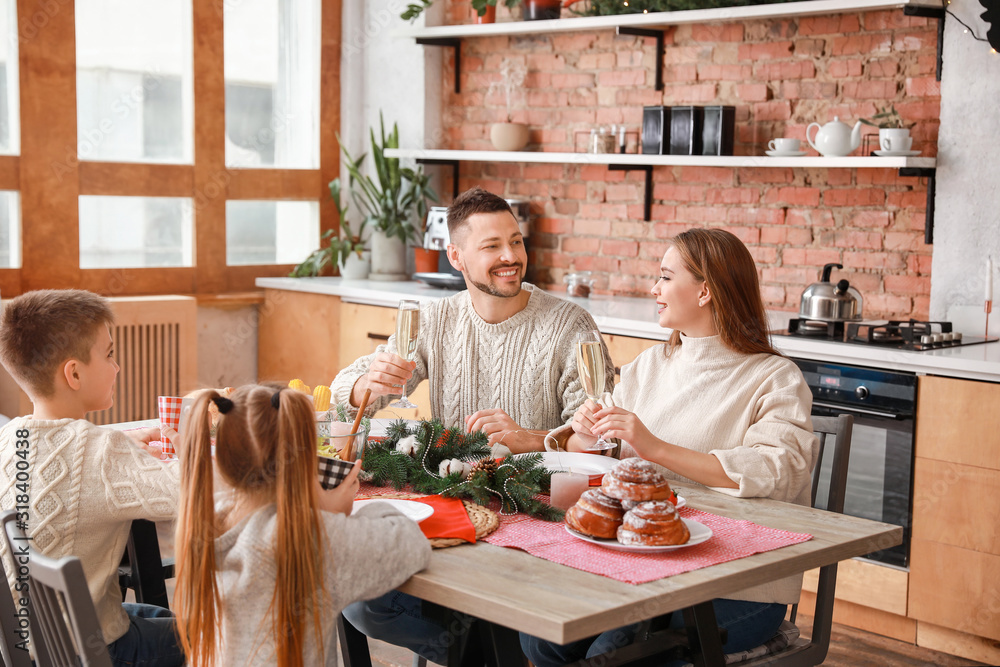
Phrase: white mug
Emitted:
{"points": [[784, 145], [895, 140]]}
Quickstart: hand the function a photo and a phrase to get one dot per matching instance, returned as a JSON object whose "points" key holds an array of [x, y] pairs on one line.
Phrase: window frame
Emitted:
{"points": [[51, 178]]}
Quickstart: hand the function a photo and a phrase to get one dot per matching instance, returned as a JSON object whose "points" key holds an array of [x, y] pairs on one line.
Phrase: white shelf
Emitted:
{"points": [[665, 160], [663, 19]]}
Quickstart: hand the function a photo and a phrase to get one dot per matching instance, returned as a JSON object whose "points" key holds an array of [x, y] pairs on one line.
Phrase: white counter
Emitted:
{"points": [[632, 316]]}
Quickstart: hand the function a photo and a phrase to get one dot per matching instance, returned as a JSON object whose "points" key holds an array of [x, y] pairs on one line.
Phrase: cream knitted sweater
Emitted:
{"points": [[364, 555], [86, 485], [751, 411], [525, 365]]}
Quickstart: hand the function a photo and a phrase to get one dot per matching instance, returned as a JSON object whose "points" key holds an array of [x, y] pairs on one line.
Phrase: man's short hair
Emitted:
{"points": [[469, 203], [42, 330]]}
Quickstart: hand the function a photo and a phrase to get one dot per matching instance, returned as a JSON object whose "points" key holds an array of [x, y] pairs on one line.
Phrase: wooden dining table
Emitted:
{"points": [[509, 590]]}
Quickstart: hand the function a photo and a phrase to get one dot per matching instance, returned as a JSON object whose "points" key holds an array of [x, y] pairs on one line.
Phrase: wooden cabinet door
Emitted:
{"points": [[298, 337], [624, 350], [362, 329]]}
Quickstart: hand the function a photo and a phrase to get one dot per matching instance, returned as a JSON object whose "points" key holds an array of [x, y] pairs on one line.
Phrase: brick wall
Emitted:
{"points": [[780, 75]]}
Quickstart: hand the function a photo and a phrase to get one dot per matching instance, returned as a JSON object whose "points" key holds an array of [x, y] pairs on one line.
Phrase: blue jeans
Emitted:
{"points": [[397, 618], [150, 641], [749, 624]]}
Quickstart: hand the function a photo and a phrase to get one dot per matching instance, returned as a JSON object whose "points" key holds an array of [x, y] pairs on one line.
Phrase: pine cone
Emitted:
{"points": [[487, 467]]}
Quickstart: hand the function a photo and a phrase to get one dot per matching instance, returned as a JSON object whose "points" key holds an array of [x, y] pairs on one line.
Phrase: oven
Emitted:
{"points": [[880, 472]]}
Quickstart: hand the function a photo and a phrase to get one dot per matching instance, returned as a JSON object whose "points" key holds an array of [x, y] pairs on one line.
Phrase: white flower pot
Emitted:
{"points": [[509, 136], [388, 258], [356, 268]]}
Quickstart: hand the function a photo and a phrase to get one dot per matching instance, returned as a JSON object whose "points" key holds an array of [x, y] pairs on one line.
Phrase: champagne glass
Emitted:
{"points": [[590, 366], [407, 327]]}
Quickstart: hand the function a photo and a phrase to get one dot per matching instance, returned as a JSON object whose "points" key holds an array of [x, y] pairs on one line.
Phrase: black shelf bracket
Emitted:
{"points": [[647, 202], [454, 171], [930, 173], [455, 44], [931, 13], [658, 36]]}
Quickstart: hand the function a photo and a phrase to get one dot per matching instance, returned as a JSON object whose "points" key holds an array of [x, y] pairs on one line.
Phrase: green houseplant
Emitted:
{"points": [[393, 203], [887, 118], [339, 243]]}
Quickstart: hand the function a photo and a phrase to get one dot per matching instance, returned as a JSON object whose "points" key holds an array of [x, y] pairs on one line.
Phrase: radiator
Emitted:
{"points": [[156, 345]]}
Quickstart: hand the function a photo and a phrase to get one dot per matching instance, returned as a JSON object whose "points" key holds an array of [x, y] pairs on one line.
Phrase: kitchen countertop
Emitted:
{"points": [[634, 316]]}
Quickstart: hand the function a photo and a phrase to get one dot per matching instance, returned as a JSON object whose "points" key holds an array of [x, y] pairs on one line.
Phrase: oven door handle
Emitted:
{"points": [[862, 411]]}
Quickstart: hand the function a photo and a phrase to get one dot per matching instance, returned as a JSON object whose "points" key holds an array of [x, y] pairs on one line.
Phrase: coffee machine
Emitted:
{"points": [[437, 237]]}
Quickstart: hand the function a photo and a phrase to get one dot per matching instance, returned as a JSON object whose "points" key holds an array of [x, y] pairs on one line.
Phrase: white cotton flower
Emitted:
{"points": [[407, 445], [451, 466]]}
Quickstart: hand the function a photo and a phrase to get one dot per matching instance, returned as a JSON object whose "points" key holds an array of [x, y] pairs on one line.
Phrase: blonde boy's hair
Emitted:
{"points": [[44, 329]]}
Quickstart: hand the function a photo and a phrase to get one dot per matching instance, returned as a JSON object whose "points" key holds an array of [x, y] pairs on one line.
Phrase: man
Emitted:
{"points": [[501, 356]]}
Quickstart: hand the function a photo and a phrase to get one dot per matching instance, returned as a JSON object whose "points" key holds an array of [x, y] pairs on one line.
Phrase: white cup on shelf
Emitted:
{"points": [[895, 140], [784, 145]]}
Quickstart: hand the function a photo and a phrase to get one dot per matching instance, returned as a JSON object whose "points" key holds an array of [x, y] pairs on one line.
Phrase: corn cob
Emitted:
{"points": [[321, 398], [299, 385]]}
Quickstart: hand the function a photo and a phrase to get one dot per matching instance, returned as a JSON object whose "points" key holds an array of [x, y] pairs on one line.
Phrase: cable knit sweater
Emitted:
{"points": [[751, 411], [86, 485], [525, 365], [364, 555]]}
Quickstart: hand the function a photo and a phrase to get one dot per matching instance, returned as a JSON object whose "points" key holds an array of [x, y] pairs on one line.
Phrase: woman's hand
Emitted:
{"points": [[624, 425], [585, 418], [341, 499]]}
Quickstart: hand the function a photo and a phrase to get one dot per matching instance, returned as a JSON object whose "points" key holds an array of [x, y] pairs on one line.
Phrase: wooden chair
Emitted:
{"points": [[142, 568], [64, 627], [10, 623], [657, 644]]}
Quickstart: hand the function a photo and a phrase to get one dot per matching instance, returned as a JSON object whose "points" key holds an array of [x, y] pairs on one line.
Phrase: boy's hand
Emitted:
{"points": [[143, 436], [154, 450]]}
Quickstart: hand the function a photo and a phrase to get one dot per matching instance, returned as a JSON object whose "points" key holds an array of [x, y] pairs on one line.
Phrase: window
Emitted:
{"points": [[270, 232], [10, 135], [134, 80], [272, 63], [10, 230], [135, 232]]}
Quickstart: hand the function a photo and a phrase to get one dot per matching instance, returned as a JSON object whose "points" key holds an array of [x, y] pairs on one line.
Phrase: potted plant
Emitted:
{"points": [[893, 133], [393, 203], [509, 136], [345, 251]]}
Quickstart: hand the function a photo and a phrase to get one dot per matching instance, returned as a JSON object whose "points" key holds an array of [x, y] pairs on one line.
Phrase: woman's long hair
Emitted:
{"points": [[724, 263], [265, 446]]}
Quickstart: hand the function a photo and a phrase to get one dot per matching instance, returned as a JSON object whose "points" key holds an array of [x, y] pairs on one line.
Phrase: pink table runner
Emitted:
{"points": [[731, 539]]}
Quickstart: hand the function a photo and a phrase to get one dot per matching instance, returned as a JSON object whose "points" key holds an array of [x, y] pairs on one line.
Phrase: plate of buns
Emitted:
{"points": [[633, 511]]}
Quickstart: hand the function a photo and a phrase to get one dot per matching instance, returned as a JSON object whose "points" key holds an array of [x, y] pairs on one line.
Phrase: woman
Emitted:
{"points": [[716, 405]]}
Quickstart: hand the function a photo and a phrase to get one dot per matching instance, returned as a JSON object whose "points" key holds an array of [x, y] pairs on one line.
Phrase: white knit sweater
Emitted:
{"points": [[525, 365], [751, 411], [87, 484], [364, 555]]}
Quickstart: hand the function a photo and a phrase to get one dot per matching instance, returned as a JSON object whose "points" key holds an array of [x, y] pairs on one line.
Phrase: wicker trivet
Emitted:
{"points": [[484, 520]]}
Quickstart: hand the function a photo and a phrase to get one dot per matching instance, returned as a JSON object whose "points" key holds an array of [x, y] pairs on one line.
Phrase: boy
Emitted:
{"points": [[86, 483]]}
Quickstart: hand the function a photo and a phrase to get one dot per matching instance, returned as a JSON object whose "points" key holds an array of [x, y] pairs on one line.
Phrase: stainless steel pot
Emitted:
{"points": [[827, 302]]}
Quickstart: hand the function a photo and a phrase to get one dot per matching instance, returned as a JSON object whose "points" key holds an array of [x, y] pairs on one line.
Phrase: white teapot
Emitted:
{"points": [[835, 139]]}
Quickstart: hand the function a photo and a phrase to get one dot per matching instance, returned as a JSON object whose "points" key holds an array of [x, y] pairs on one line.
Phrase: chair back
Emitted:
{"points": [[840, 429], [64, 627], [14, 635]]}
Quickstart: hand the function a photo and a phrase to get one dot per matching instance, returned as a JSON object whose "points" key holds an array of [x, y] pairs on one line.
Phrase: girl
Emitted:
{"points": [[715, 405], [262, 581]]}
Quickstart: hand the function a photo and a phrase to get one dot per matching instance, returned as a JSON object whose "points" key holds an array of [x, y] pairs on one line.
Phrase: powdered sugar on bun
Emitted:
{"points": [[636, 479], [596, 515], [654, 523]]}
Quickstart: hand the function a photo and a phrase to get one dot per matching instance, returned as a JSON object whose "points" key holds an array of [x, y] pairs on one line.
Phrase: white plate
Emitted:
{"points": [[897, 153], [380, 426], [588, 464], [699, 533], [792, 154], [411, 510]]}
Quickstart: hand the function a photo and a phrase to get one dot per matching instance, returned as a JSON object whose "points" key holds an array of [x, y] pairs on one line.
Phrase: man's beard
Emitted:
{"points": [[493, 289]]}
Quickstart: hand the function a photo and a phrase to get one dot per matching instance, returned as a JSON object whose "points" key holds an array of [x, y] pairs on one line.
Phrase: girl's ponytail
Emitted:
{"points": [[196, 596], [298, 551]]}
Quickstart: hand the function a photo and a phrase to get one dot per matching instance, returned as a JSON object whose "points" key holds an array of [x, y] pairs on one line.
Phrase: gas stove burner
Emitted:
{"points": [[912, 335], [817, 328]]}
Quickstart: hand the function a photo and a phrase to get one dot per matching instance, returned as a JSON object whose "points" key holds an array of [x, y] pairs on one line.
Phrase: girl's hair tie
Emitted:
{"points": [[223, 403], [276, 399]]}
